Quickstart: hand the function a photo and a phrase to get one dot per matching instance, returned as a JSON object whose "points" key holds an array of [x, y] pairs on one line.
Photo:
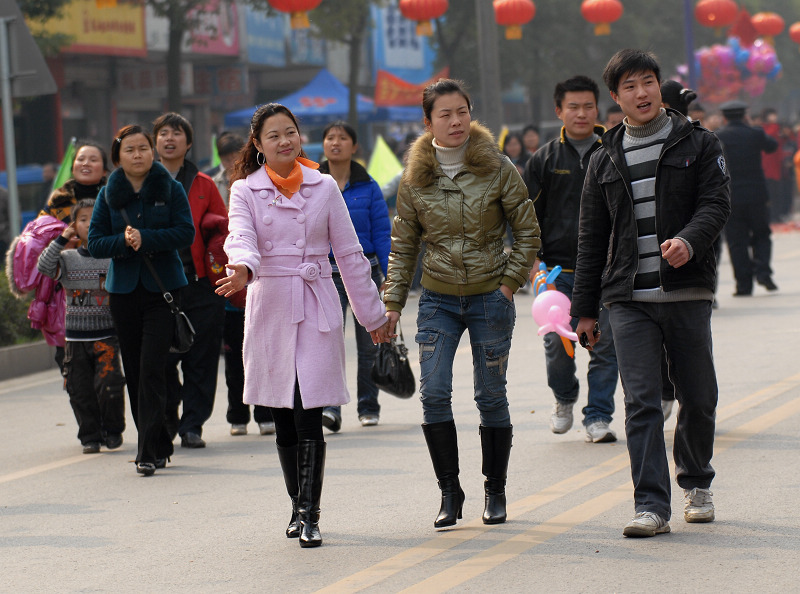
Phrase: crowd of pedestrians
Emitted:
{"points": [[631, 209]]}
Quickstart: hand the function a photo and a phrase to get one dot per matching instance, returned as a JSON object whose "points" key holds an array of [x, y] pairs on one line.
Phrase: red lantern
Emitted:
{"points": [[601, 13], [794, 32], [768, 25], [423, 11], [716, 13], [298, 9], [512, 14]]}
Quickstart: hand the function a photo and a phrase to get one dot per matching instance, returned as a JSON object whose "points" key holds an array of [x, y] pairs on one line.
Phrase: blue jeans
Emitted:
{"points": [[643, 331], [441, 320], [366, 389], [602, 374]]}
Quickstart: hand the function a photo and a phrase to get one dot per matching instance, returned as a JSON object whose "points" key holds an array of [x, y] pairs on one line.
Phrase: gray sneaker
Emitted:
{"points": [[266, 428], [698, 506], [599, 432], [561, 419], [646, 524], [238, 429]]}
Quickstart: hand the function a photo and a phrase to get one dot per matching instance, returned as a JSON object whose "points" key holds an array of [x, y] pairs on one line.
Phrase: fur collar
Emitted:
{"points": [[157, 185], [483, 157]]}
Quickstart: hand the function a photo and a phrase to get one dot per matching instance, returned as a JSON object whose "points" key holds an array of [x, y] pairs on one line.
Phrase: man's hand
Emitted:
{"points": [[675, 252], [229, 285], [535, 270], [586, 326]]}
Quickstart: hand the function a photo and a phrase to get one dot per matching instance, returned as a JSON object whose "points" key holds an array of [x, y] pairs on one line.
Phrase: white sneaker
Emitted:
{"points": [[267, 428], [238, 429], [698, 506], [599, 432], [666, 408], [368, 420], [561, 419], [646, 524]]}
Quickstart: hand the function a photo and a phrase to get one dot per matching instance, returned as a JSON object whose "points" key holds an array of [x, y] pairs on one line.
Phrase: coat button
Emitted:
{"points": [[263, 194], [301, 218], [268, 245], [305, 192], [301, 243], [267, 220]]}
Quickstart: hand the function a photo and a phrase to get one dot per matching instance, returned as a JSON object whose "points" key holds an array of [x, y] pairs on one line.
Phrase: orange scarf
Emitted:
{"points": [[289, 186]]}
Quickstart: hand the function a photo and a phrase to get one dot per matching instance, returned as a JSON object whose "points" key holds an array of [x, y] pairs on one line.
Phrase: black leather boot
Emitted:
{"points": [[443, 447], [288, 458], [496, 448], [311, 468]]}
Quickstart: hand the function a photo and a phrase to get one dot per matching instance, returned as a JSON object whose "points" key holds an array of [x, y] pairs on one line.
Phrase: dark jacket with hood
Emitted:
{"points": [[160, 211], [692, 188]]}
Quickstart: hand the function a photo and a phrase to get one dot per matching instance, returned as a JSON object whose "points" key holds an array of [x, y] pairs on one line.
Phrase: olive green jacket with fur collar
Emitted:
{"points": [[462, 221]]}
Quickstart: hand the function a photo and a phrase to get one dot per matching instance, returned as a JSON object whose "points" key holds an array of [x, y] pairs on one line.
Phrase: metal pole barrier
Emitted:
{"points": [[8, 127]]}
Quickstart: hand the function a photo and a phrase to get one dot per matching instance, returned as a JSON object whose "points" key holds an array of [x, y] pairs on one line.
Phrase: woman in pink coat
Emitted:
{"points": [[284, 218]]}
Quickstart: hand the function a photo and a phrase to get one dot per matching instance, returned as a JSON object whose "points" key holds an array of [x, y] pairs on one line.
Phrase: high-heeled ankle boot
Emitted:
{"points": [[443, 447], [288, 459], [496, 448], [311, 469]]}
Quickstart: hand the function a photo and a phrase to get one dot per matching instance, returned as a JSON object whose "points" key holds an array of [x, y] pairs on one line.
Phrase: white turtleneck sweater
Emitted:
{"points": [[450, 159]]}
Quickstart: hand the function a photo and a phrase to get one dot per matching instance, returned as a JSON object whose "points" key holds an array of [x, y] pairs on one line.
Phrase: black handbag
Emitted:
{"points": [[392, 371], [183, 334]]}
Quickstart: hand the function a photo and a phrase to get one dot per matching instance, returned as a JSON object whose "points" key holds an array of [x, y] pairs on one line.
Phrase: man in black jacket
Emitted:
{"points": [[554, 176], [656, 196], [747, 231]]}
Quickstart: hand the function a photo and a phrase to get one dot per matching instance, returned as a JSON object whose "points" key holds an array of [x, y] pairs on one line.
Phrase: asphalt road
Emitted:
{"points": [[214, 520]]}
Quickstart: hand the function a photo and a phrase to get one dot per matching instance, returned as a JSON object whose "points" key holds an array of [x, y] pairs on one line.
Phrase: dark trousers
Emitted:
{"points": [[199, 365], [145, 326], [295, 424], [367, 391], [93, 379], [232, 339], [641, 333], [748, 235]]}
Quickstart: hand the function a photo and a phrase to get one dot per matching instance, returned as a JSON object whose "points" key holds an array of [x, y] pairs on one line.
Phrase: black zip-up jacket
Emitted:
{"points": [[554, 176], [692, 202]]}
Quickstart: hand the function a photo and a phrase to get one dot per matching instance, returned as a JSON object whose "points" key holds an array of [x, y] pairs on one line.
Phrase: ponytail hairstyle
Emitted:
{"points": [[247, 162]]}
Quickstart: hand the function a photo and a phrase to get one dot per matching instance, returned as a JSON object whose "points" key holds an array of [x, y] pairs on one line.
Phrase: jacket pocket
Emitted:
{"points": [[678, 175]]}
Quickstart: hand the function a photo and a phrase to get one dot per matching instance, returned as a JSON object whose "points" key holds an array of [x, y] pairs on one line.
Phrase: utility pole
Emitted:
{"points": [[490, 108], [8, 125]]}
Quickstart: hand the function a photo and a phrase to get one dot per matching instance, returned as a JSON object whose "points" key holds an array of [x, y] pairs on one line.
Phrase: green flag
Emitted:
{"points": [[214, 154], [383, 164], [65, 169]]}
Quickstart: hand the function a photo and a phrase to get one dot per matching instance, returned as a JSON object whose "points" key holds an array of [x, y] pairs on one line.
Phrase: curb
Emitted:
{"points": [[24, 359]]}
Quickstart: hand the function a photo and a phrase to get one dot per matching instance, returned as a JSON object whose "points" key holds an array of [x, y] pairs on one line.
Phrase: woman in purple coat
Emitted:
{"points": [[285, 217]]}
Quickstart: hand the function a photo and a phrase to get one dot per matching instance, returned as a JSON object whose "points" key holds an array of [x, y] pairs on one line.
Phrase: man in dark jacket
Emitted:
{"points": [[656, 196], [206, 310], [747, 231], [554, 176]]}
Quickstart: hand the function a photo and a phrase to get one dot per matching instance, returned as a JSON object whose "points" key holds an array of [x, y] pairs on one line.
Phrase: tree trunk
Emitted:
{"points": [[354, 49], [177, 28]]}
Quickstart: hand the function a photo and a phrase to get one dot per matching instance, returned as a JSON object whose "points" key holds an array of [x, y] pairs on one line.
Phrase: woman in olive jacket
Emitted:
{"points": [[457, 194], [160, 224]]}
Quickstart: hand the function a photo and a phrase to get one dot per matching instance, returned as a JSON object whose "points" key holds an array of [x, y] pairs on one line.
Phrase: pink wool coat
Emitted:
{"points": [[293, 316]]}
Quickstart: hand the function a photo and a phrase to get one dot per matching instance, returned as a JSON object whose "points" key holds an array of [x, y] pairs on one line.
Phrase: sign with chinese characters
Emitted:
{"points": [[397, 47]]}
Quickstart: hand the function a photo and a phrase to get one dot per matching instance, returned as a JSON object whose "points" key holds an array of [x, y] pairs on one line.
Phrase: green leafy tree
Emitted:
{"points": [[39, 11]]}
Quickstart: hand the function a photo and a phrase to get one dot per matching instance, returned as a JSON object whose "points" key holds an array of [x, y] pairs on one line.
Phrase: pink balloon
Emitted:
{"points": [[551, 311]]}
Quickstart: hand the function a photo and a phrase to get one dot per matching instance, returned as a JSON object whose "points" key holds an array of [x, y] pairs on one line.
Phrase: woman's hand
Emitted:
{"points": [[382, 334], [393, 317], [234, 282], [133, 238], [507, 292]]}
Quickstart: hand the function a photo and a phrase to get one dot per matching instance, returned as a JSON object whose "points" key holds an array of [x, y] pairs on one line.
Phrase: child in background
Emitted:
{"points": [[92, 369]]}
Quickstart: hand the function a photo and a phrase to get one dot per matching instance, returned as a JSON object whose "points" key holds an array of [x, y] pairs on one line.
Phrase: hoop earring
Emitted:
{"points": [[261, 159]]}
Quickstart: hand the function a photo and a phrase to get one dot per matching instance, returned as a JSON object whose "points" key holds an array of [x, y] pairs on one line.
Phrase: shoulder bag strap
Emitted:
{"points": [[166, 294]]}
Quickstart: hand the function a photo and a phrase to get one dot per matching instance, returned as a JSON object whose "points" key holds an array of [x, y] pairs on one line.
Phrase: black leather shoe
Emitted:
{"points": [[162, 462], [768, 284], [146, 468], [742, 294], [113, 441], [91, 447], [331, 421], [192, 440]]}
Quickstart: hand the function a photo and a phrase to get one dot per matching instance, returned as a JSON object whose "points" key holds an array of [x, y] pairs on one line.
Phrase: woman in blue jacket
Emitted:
{"points": [[370, 217], [160, 224]]}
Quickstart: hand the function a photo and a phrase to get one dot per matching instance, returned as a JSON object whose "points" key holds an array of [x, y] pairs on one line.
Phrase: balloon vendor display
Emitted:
{"points": [[551, 307], [727, 71]]}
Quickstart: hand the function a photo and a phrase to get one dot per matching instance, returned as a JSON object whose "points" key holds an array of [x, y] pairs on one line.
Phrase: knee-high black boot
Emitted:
{"points": [[496, 448], [288, 458], [311, 467], [443, 447]]}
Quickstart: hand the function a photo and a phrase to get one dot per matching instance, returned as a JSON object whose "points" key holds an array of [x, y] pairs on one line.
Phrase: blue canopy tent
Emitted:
{"points": [[325, 99]]}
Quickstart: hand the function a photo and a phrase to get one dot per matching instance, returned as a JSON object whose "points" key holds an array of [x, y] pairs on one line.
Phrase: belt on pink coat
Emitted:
{"points": [[307, 273]]}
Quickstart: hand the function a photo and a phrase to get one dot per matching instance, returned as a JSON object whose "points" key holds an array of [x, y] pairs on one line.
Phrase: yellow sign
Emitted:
{"points": [[117, 29]]}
